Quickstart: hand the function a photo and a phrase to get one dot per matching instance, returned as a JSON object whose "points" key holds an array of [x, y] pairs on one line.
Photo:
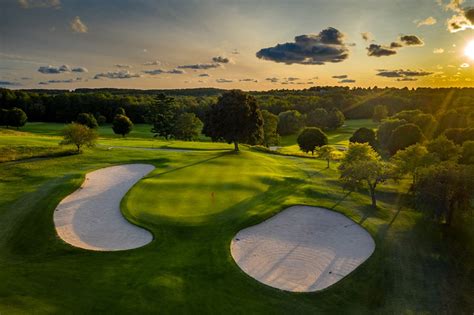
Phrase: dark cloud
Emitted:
{"points": [[347, 81], [152, 63], [122, 74], [375, 50], [411, 40], [9, 83], [79, 69], [403, 75], [290, 79], [54, 70], [204, 75], [162, 71], [395, 45], [462, 20], [224, 81], [366, 36], [248, 80], [272, 80], [200, 66], [220, 59], [123, 66], [469, 14], [29, 4], [327, 46], [342, 76]]}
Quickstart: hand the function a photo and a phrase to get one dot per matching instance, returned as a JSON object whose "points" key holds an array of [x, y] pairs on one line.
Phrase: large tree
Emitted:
{"points": [[317, 118], [187, 127], [16, 117], [361, 166], [162, 115], [87, 119], [78, 135], [235, 118], [335, 119], [364, 135], [444, 149], [412, 160], [385, 129], [311, 138], [380, 113], [122, 125], [290, 122], [270, 126], [404, 136]]}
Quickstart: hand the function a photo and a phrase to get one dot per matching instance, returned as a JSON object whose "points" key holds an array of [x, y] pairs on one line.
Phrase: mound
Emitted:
{"points": [[302, 249], [90, 218]]}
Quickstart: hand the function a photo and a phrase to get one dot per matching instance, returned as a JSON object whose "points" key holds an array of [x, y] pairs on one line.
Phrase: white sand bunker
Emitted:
{"points": [[302, 249], [90, 217]]}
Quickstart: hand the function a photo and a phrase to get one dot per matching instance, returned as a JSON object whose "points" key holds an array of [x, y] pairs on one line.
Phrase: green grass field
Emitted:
{"points": [[194, 202]]}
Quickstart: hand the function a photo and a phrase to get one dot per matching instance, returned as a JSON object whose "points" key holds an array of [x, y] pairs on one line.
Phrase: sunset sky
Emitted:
{"points": [[250, 45]]}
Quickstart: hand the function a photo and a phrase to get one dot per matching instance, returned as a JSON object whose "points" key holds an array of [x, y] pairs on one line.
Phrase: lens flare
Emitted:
{"points": [[469, 50]]}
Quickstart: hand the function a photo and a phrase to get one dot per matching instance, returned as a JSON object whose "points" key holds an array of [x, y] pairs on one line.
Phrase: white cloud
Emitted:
{"points": [[428, 21], [78, 26], [438, 51]]}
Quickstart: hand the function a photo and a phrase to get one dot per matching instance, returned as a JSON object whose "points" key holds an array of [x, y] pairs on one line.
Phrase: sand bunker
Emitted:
{"points": [[302, 249], [90, 217]]}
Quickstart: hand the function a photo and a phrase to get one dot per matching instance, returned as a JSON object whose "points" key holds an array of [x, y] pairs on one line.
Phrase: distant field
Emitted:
{"points": [[339, 137]]}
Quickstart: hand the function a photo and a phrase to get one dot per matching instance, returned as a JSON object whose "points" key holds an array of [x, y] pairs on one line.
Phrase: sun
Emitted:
{"points": [[469, 50]]}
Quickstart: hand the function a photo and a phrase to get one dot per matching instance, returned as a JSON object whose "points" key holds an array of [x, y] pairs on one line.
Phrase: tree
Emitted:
{"points": [[310, 138], [467, 153], [411, 160], [335, 119], [234, 118], [459, 135], [317, 118], [101, 119], [364, 135], [3, 117], [289, 122], [78, 135], [187, 127], [16, 117], [122, 125], [120, 111], [443, 149], [452, 119], [363, 166], [87, 119], [427, 124], [326, 153], [444, 189], [380, 113], [162, 114], [384, 132], [404, 136], [270, 126]]}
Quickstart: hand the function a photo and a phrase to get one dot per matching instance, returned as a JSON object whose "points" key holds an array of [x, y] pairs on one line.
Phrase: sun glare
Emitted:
{"points": [[469, 50]]}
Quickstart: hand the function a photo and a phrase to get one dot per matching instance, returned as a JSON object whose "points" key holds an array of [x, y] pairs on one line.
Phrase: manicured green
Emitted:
{"points": [[194, 203]]}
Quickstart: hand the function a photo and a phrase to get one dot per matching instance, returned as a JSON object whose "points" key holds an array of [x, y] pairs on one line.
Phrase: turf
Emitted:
{"points": [[194, 203]]}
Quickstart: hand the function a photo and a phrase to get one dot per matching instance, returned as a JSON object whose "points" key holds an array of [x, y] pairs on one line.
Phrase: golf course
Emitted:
{"points": [[194, 200]]}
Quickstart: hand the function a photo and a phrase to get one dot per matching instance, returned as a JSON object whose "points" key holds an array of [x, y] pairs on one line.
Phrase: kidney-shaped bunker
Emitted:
{"points": [[302, 249], [90, 217]]}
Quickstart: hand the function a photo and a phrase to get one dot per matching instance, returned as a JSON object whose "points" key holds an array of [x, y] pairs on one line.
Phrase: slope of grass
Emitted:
{"points": [[194, 203]]}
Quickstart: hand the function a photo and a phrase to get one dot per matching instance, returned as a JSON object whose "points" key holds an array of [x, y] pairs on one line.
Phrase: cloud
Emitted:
{"points": [[375, 50], [464, 65], [367, 36], [403, 75], [290, 79], [342, 76], [204, 75], [428, 21], [123, 66], [200, 66], [162, 71], [224, 81], [29, 4], [411, 40], [220, 59], [9, 83], [122, 74], [347, 81], [54, 70], [462, 20], [248, 80], [152, 63], [394, 45], [438, 51], [272, 80], [79, 69], [313, 49], [78, 26], [235, 52]]}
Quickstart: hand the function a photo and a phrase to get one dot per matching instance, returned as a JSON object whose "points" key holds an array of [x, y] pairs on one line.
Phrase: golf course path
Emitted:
{"points": [[302, 249], [90, 217]]}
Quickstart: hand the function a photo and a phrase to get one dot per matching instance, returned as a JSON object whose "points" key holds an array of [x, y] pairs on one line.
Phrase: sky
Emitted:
{"points": [[249, 45]]}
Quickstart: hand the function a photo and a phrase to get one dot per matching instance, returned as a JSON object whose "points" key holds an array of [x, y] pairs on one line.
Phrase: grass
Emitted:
{"points": [[194, 203]]}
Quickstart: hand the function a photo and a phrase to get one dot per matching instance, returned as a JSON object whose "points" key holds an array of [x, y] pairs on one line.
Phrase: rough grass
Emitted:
{"points": [[194, 203]]}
